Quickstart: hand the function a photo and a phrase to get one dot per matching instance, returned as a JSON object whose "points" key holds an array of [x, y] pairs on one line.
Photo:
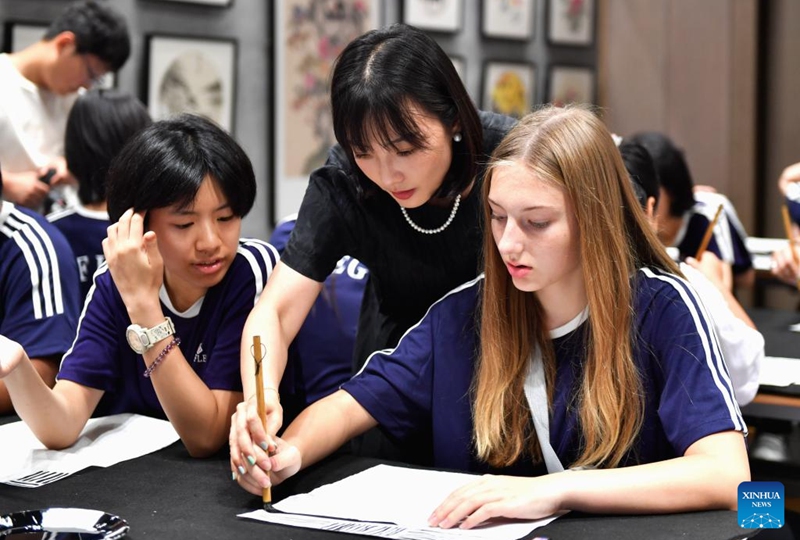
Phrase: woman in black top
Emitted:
{"points": [[400, 193]]}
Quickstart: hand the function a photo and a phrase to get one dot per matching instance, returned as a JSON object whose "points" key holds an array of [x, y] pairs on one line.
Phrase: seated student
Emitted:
{"points": [[321, 355], [741, 343], [39, 302], [582, 315], [684, 214], [178, 284], [99, 124]]}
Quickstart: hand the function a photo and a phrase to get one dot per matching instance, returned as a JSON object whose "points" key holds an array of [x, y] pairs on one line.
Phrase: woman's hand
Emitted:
{"points": [[499, 496], [11, 355], [251, 446], [134, 262]]}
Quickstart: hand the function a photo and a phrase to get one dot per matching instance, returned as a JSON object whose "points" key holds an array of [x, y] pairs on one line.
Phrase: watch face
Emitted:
{"points": [[134, 339]]}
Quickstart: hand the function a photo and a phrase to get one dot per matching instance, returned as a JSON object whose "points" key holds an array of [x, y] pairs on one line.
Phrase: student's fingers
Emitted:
{"points": [[243, 435], [152, 252], [285, 462], [124, 225], [136, 225]]}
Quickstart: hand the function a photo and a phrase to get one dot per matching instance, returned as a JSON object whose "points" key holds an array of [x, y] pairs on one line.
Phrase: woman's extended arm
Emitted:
{"points": [[705, 477]]}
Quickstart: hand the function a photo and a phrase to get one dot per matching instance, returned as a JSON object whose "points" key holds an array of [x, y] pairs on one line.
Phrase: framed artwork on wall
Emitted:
{"points": [[189, 74], [434, 15], [569, 84], [571, 22], [508, 19], [308, 38], [18, 35], [222, 3], [508, 87]]}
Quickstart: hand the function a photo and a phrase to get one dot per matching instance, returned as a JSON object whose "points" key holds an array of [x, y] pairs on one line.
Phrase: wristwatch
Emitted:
{"points": [[142, 339]]}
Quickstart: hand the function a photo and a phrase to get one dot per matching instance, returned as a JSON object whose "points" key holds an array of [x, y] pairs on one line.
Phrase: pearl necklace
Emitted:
{"points": [[438, 229]]}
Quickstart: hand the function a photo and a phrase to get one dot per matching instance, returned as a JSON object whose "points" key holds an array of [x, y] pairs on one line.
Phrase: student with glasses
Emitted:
{"points": [[40, 83]]}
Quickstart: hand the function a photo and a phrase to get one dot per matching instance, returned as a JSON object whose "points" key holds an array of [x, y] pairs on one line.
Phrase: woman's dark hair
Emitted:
{"points": [[641, 170], [98, 29], [379, 76], [165, 164], [671, 170], [99, 124]]}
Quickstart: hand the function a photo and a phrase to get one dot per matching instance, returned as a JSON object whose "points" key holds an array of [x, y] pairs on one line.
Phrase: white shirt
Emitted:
{"points": [[32, 121], [742, 346]]}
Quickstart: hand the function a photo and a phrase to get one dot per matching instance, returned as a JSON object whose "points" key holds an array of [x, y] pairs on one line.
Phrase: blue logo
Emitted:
{"points": [[761, 505]]}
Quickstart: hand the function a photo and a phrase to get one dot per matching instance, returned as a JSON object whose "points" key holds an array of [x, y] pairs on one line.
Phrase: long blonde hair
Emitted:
{"points": [[572, 148]]}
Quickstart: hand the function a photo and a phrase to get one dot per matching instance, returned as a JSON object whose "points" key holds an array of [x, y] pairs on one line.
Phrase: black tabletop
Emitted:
{"points": [[779, 340], [167, 494]]}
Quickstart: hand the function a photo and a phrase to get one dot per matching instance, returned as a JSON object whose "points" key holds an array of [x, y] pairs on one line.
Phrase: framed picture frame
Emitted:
{"points": [[191, 74], [307, 41], [508, 87], [20, 34], [571, 22], [503, 19], [219, 3], [434, 15], [571, 84]]}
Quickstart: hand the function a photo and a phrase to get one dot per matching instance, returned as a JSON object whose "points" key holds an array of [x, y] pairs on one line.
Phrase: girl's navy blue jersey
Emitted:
{"points": [[210, 332], [422, 386]]}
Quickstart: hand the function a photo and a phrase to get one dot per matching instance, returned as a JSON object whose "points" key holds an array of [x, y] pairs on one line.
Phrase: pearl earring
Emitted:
{"points": [[457, 137]]}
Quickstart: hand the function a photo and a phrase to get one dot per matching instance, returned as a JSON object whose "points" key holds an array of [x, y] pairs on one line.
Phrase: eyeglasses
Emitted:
{"points": [[94, 77]]}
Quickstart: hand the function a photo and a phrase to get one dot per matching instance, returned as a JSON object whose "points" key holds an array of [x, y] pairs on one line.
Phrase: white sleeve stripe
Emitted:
{"points": [[712, 363], [268, 254], [460, 288], [715, 344], [36, 298], [103, 268], [51, 251]]}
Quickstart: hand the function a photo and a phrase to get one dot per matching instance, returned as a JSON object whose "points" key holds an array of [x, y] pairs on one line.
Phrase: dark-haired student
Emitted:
{"points": [[684, 213], [741, 343], [39, 301], [99, 125], [86, 40], [580, 348], [160, 330], [400, 192]]}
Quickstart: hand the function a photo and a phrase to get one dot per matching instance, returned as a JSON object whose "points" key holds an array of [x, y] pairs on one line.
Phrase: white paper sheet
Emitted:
{"points": [[389, 502], [765, 245], [103, 442], [778, 371]]}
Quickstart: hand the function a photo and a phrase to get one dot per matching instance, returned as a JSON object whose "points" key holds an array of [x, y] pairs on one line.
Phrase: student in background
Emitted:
{"points": [[684, 213], [589, 353], [40, 83], [741, 343], [400, 192], [321, 355], [99, 125], [39, 302], [784, 265], [178, 285]]}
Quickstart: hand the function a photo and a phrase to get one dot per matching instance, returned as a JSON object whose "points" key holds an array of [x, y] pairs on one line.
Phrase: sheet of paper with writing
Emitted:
{"points": [[389, 502], [102, 443]]}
